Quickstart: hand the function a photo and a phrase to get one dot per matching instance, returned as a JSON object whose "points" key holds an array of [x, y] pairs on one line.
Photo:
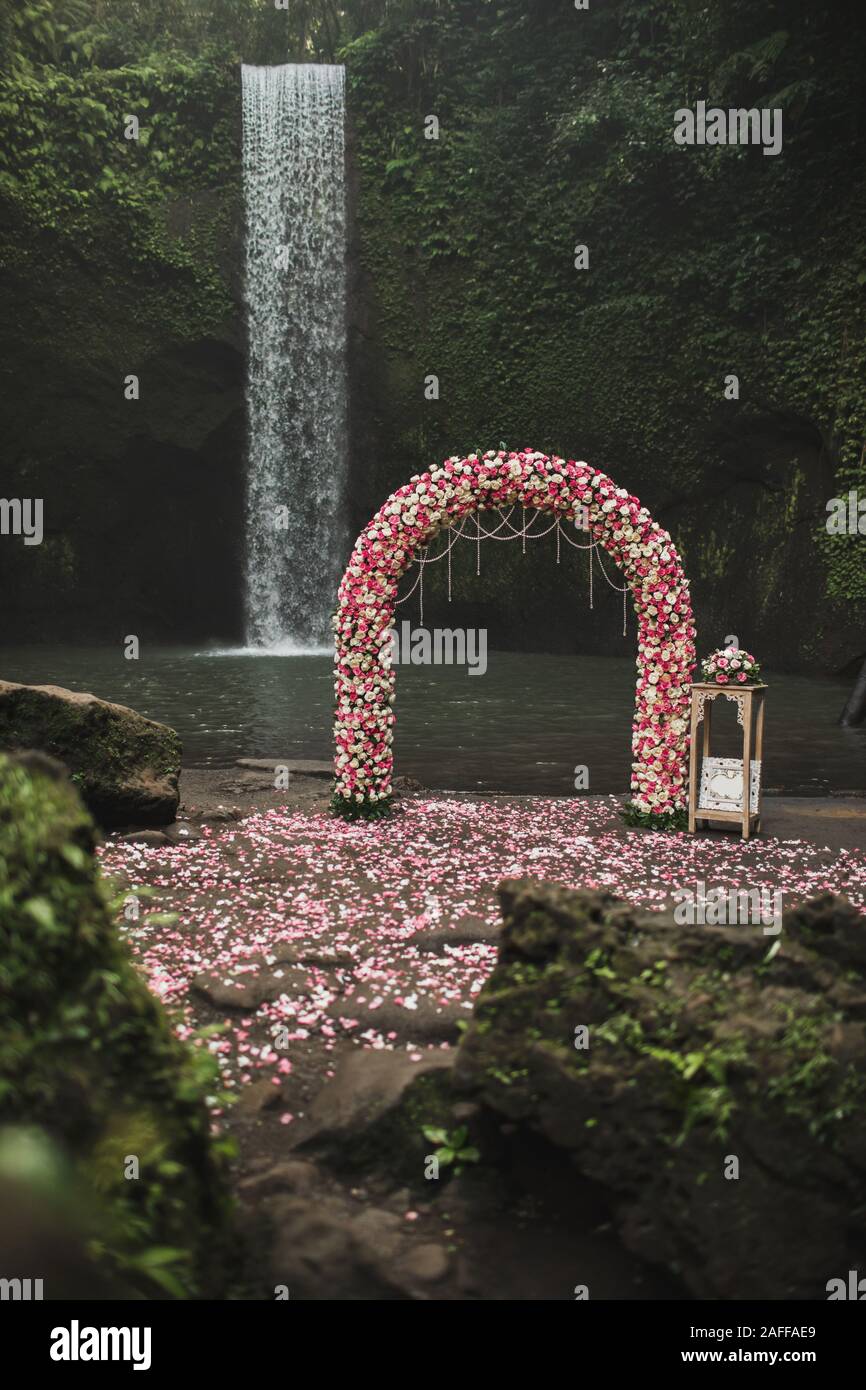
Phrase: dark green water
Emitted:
{"points": [[521, 727]]}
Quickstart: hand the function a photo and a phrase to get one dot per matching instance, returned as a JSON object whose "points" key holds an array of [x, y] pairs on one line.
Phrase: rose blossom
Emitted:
{"points": [[412, 517]]}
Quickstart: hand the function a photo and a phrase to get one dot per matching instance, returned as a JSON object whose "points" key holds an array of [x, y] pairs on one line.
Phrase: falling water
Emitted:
{"points": [[293, 164]]}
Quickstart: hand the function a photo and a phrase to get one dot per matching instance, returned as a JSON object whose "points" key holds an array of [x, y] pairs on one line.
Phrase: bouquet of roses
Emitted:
{"points": [[730, 666]]}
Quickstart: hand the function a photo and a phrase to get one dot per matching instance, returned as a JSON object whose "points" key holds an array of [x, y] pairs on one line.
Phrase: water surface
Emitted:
{"points": [[522, 727]]}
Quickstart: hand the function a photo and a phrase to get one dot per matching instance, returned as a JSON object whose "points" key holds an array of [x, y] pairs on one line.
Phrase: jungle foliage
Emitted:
{"points": [[555, 128]]}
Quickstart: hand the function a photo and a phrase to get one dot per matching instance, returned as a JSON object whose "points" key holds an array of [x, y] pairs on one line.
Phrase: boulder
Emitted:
{"points": [[256, 1097], [425, 1264], [326, 1244], [468, 930], [319, 1252], [126, 767], [427, 1022], [372, 1112], [719, 1099], [291, 1175], [247, 990], [148, 839], [88, 1057]]}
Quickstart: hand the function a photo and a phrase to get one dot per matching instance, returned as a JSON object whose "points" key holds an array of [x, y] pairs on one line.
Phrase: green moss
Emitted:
{"points": [[664, 1022], [88, 1055], [714, 556], [114, 758], [535, 938], [117, 255]]}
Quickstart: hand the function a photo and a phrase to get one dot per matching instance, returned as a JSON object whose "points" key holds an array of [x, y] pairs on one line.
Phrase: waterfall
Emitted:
{"points": [[295, 254]]}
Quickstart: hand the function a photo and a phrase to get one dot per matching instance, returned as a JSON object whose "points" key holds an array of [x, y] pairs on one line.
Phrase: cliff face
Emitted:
{"points": [[554, 131], [106, 277], [703, 264]]}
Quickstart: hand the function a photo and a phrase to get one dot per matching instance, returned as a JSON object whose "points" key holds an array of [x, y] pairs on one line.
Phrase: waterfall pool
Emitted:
{"points": [[524, 727]]}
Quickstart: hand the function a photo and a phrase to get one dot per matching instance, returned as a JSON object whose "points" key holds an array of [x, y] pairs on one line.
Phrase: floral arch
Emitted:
{"points": [[411, 518]]}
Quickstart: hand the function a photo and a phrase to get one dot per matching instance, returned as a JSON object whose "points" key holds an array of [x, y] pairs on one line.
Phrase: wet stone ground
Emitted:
{"points": [[308, 940]]}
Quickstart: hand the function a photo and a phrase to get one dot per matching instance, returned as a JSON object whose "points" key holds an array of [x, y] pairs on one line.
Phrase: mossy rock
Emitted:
{"points": [[88, 1056], [371, 1114], [654, 1054], [125, 766]]}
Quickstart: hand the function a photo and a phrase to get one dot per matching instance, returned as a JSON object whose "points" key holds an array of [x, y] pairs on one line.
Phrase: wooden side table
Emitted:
{"points": [[749, 700]]}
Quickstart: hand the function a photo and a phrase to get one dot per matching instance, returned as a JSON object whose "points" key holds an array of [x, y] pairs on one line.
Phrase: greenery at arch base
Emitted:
{"points": [[645, 820]]}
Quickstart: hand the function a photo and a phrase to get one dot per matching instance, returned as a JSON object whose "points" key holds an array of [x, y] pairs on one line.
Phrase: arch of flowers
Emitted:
{"points": [[443, 497]]}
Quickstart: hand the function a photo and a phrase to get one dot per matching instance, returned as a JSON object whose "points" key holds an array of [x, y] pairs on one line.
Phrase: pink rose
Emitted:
{"points": [[721, 679]]}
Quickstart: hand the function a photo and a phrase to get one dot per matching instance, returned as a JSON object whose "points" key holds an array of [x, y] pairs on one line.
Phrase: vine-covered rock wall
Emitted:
{"points": [[120, 258], [555, 130]]}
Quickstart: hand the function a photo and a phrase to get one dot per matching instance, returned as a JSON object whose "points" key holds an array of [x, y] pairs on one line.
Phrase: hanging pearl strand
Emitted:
{"points": [[525, 533]]}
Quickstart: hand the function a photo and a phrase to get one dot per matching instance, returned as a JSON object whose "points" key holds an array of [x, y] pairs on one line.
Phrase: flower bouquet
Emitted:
{"points": [[730, 666]]}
